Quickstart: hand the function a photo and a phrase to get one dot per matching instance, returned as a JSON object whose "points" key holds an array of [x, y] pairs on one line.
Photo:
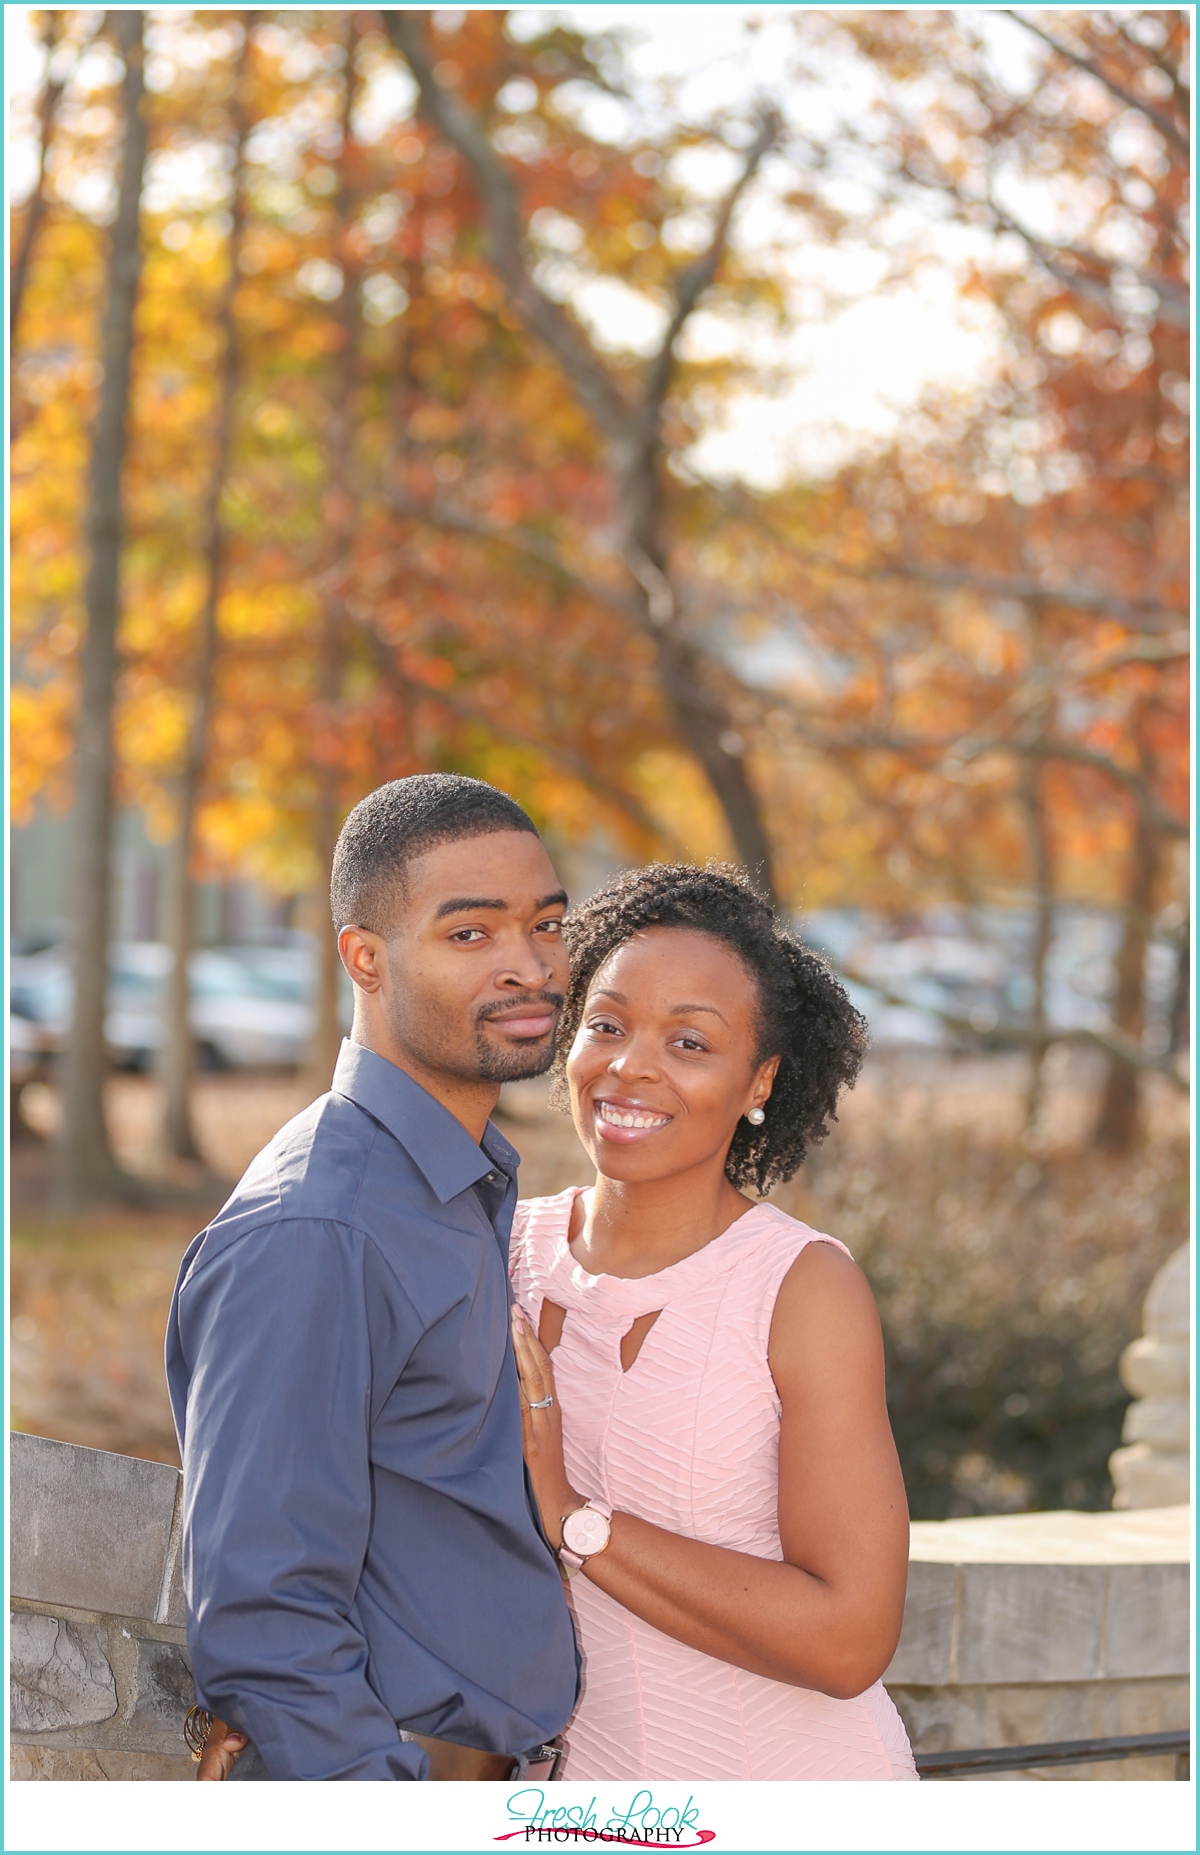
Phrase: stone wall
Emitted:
{"points": [[1017, 1630], [1024, 1629], [100, 1676]]}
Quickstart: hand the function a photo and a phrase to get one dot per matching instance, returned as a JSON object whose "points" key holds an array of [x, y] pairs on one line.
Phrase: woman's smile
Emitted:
{"points": [[617, 1118]]}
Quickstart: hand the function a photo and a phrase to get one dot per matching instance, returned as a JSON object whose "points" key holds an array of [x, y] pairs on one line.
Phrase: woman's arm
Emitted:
{"points": [[829, 1616]]}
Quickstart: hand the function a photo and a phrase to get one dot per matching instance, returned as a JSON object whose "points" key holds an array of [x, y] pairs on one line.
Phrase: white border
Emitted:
{"points": [[1118, 1816], [752, 1817]]}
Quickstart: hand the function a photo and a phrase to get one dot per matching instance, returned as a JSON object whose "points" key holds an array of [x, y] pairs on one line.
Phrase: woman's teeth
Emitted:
{"points": [[629, 1117]]}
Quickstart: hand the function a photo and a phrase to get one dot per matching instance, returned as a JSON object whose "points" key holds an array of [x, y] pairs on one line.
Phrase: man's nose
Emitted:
{"points": [[525, 969]]}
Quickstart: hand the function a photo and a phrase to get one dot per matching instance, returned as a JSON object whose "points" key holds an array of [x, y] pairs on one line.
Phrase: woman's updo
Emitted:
{"points": [[804, 1018]]}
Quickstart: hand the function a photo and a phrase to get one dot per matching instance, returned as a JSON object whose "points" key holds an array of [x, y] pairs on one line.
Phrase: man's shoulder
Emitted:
{"points": [[310, 1173], [312, 1169]]}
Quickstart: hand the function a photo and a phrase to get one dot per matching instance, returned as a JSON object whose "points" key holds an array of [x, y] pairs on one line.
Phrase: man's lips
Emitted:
{"points": [[525, 1023]]}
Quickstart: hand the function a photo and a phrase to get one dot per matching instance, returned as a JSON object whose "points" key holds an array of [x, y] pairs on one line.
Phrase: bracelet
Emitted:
{"points": [[197, 1725]]}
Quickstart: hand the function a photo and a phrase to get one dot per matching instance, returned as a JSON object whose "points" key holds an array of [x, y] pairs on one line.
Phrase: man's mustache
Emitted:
{"points": [[513, 1007]]}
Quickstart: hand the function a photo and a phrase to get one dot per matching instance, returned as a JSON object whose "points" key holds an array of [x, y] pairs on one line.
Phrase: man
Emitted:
{"points": [[369, 1593]]}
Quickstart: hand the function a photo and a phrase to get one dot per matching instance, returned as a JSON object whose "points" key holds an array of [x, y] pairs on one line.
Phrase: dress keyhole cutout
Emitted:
{"points": [[631, 1342], [550, 1324]]}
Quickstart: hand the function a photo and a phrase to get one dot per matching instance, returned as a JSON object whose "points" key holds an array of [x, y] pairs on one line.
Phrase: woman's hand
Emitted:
{"points": [[541, 1425], [222, 1749]]}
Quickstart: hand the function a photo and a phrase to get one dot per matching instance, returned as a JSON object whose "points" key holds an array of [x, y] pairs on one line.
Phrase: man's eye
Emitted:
{"points": [[468, 934], [552, 927]]}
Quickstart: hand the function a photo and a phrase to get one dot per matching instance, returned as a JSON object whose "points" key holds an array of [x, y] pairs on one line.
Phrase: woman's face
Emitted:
{"points": [[662, 1067]]}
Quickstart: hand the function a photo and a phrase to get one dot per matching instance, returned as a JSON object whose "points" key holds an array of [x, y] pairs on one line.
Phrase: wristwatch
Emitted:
{"points": [[585, 1532]]}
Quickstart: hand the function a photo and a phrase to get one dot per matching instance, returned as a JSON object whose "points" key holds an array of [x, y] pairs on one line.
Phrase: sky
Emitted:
{"points": [[842, 380], [849, 377]]}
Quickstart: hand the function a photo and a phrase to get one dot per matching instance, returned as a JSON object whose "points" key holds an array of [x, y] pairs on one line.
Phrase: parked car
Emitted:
{"points": [[251, 1006], [975, 966]]}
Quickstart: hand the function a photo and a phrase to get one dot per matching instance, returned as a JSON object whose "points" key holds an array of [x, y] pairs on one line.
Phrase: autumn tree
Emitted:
{"points": [[88, 1166], [628, 412], [1015, 569], [179, 1044]]}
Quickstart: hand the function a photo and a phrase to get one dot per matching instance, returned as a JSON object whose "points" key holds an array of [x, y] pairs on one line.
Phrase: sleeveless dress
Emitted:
{"points": [[688, 1438]]}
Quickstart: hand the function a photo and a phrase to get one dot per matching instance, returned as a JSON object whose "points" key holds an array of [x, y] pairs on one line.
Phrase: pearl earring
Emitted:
{"points": [[756, 1117]]}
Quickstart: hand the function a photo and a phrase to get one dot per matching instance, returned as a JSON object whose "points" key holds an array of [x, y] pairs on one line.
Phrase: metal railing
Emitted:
{"points": [[1063, 1752]]}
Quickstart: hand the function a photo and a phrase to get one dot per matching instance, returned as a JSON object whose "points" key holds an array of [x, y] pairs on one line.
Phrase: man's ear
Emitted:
{"points": [[364, 955]]}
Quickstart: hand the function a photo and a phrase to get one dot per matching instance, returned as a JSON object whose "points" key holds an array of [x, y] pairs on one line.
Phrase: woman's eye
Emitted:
{"points": [[552, 927], [604, 1025], [689, 1043]]}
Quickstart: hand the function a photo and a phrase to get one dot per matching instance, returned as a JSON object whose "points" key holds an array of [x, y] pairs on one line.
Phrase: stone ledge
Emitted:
{"points": [[960, 1718], [1032, 1598], [92, 1530]]}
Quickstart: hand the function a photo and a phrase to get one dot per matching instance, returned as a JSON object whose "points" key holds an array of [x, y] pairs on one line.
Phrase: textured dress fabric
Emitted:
{"points": [[688, 1439]]}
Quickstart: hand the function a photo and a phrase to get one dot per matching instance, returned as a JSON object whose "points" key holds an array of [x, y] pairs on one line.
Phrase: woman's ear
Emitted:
{"points": [[764, 1078]]}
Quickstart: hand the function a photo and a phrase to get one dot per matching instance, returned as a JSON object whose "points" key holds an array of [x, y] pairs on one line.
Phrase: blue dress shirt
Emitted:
{"points": [[361, 1551]]}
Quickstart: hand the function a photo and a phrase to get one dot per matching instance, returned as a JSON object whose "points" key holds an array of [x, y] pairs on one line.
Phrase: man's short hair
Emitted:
{"points": [[400, 821]]}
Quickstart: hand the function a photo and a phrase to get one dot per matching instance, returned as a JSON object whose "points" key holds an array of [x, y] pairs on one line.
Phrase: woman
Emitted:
{"points": [[706, 1430]]}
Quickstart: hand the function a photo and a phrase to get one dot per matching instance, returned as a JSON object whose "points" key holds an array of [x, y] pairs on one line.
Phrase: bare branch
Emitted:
{"points": [[1173, 649], [1174, 300], [1138, 615], [506, 230], [696, 278], [1134, 783], [35, 210], [1162, 123], [941, 752], [1179, 91], [521, 541]]}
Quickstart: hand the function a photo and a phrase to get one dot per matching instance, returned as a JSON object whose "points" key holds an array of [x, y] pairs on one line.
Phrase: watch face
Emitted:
{"points": [[585, 1531]]}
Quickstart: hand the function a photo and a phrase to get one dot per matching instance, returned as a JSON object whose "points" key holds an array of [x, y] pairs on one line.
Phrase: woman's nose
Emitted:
{"points": [[634, 1059]]}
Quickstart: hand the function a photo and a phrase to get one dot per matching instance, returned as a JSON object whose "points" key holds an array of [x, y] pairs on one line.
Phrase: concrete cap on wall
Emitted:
{"points": [[94, 1531]]}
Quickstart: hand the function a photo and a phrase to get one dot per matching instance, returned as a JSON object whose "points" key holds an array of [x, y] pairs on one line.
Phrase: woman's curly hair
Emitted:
{"points": [[805, 1017]]}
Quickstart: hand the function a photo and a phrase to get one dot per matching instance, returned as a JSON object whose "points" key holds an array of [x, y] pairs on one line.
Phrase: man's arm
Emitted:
{"points": [[274, 1335]]}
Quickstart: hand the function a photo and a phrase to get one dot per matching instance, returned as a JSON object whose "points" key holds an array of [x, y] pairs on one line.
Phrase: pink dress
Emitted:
{"points": [[688, 1438]]}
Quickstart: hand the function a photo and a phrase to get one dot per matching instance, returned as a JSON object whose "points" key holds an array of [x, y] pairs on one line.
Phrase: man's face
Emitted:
{"points": [[473, 973]]}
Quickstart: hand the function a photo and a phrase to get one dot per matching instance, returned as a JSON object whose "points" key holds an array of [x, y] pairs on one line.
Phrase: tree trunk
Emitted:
{"points": [[327, 1030], [89, 1170], [1043, 931], [687, 679], [339, 522], [35, 211], [1117, 1125], [633, 433], [1181, 1000], [179, 1046], [707, 730]]}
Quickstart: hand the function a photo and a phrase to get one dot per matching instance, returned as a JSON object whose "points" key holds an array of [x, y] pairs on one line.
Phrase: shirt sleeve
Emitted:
{"points": [[279, 1332]]}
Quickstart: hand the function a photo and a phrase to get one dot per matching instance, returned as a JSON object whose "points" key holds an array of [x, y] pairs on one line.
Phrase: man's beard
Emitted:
{"points": [[521, 1061]]}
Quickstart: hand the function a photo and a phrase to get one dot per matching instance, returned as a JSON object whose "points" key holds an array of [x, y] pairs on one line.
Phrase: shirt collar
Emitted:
{"points": [[438, 1145]]}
